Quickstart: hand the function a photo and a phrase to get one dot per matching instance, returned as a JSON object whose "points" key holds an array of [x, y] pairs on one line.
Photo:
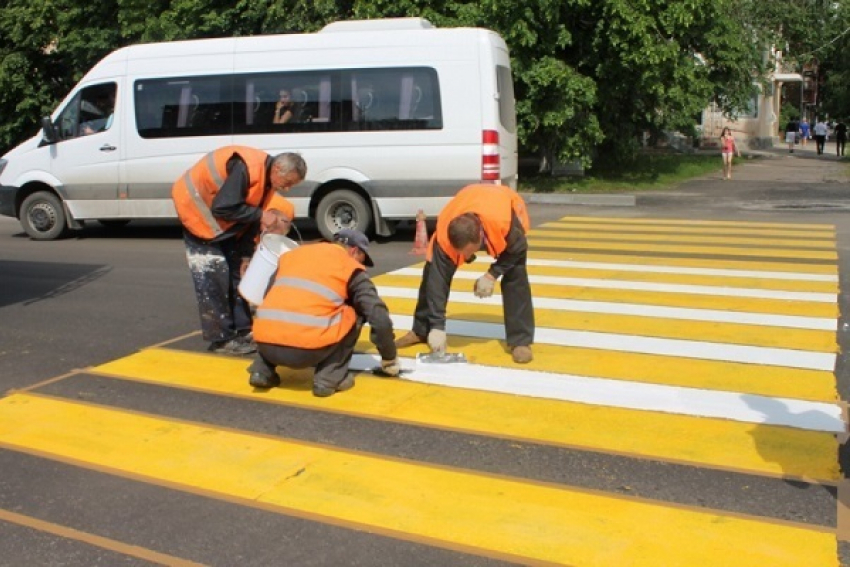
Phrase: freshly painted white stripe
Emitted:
{"points": [[798, 276], [654, 287], [646, 345], [749, 408], [660, 312]]}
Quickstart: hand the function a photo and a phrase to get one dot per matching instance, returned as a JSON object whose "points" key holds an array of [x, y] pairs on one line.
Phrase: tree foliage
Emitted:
{"points": [[591, 76]]}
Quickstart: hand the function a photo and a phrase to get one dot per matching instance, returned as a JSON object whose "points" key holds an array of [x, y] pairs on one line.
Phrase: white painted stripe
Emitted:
{"points": [[771, 275], [653, 287], [748, 408], [645, 345], [660, 312]]}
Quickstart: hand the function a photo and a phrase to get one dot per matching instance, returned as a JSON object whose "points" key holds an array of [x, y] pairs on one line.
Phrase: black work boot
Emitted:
{"points": [[258, 380]]}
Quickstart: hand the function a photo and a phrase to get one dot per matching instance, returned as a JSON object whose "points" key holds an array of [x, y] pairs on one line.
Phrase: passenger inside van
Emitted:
{"points": [[284, 108]]}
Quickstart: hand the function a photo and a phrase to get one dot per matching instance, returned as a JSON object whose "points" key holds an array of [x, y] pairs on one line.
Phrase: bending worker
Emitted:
{"points": [[220, 202], [313, 313], [479, 217]]}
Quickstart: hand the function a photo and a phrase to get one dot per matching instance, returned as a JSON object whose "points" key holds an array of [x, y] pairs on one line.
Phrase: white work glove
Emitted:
{"points": [[437, 341], [391, 367], [484, 286]]}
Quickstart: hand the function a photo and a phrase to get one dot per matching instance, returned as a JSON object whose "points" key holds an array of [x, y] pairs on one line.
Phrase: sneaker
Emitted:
{"points": [[409, 339], [522, 354], [237, 346], [258, 380], [325, 391]]}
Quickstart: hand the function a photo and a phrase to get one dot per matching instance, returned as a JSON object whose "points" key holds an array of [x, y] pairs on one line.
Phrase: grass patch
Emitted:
{"points": [[651, 172]]}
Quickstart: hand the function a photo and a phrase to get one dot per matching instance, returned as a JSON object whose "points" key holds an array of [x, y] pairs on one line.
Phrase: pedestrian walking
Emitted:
{"points": [[792, 130], [313, 314], [821, 130], [728, 148], [488, 217], [805, 132], [840, 137], [220, 202]]}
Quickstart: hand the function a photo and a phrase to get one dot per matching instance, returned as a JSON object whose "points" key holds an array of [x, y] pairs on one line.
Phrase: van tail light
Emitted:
{"points": [[490, 160]]}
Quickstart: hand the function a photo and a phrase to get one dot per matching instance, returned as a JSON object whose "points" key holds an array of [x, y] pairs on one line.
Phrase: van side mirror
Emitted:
{"points": [[48, 131]]}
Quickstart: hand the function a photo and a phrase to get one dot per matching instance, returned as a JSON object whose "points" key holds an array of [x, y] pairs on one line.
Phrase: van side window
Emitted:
{"points": [[339, 101], [403, 98], [391, 99], [283, 102], [89, 112], [195, 106]]}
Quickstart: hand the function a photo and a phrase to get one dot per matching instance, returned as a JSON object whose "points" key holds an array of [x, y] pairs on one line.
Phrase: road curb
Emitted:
{"points": [[584, 199]]}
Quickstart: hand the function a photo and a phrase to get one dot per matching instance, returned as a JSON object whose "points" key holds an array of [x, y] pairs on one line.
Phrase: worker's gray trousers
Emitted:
{"points": [[330, 362]]}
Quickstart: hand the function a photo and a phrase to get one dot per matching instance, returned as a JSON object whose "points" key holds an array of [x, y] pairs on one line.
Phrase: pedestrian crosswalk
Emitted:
{"points": [[709, 346]]}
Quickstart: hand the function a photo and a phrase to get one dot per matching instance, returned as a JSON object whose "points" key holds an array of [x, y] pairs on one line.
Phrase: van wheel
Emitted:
{"points": [[43, 216], [342, 209]]}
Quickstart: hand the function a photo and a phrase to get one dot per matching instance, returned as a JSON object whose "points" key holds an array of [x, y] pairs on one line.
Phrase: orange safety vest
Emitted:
{"points": [[194, 192], [306, 307], [493, 205]]}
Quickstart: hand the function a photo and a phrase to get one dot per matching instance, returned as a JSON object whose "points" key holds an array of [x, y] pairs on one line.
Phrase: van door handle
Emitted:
{"points": [[107, 148]]}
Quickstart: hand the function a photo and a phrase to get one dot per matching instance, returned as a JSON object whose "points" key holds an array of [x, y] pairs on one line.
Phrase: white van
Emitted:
{"points": [[392, 116]]}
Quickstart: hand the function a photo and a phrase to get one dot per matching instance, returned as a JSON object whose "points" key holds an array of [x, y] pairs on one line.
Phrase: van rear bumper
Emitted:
{"points": [[7, 200]]}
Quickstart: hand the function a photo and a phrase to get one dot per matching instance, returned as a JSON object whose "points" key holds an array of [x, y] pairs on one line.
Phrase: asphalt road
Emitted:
{"points": [[102, 294]]}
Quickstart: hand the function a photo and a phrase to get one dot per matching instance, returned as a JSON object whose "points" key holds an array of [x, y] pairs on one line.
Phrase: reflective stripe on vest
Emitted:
{"points": [[205, 212], [299, 318], [311, 286]]}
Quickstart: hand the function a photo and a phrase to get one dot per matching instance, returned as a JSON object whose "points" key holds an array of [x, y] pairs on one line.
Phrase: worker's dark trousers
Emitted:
{"points": [[330, 362], [215, 274], [517, 308]]}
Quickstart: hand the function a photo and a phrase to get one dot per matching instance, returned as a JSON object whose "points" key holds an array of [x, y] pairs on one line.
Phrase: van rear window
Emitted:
{"points": [[346, 100], [507, 108]]}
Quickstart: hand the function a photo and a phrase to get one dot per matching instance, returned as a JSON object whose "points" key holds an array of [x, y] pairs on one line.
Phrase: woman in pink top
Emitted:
{"points": [[727, 148]]}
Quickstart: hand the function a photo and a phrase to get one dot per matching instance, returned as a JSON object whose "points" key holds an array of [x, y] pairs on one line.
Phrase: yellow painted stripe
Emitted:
{"points": [[669, 278], [531, 520], [649, 298], [771, 242], [828, 268], [687, 229], [691, 223], [536, 243], [65, 532], [798, 339], [702, 441]]}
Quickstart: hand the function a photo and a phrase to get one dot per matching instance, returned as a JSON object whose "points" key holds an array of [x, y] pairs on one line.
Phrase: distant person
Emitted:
{"points": [[220, 202], [313, 313], [792, 130], [821, 130], [840, 137], [284, 108], [805, 132], [479, 217], [728, 147]]}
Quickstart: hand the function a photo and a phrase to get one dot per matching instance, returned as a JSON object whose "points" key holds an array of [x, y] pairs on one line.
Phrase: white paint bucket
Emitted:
{"points": [[263, 266]]}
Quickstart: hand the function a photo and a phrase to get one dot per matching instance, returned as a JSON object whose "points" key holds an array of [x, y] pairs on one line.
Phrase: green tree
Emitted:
{"points": [[591, 76]]}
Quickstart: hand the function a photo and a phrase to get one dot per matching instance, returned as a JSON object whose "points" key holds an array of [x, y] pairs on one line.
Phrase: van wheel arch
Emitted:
{"points": [[339, 205], [42, 212]]}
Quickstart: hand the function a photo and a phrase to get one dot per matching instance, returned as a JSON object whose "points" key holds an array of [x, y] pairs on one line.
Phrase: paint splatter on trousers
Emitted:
{"points": [[215, 275]]}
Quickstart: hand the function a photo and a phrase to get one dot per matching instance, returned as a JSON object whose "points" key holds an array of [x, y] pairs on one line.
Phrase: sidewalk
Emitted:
{"points": [[757, 168]]}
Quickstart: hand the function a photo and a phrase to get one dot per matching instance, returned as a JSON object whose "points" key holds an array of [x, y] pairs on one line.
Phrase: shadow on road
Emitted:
{"points": [[31, 282]]}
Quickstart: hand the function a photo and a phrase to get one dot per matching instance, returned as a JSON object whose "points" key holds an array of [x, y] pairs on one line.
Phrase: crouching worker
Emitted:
{"points": [[313, 313]]}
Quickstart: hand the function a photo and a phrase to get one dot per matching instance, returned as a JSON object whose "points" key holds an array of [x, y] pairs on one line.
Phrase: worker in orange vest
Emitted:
{"points": [[313, 313], [221, 204], [480, 217]]}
